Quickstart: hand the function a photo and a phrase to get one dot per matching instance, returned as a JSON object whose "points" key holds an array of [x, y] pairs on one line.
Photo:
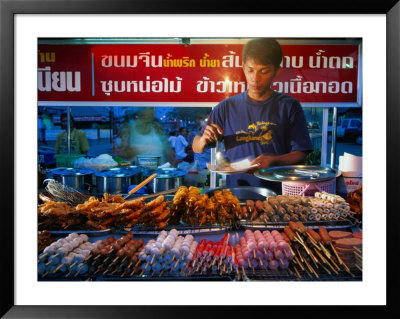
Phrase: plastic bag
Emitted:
{"points": [[99, 163]]}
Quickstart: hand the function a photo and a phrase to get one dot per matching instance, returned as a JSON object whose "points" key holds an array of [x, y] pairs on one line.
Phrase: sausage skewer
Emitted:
{"points": [[328, 241]]}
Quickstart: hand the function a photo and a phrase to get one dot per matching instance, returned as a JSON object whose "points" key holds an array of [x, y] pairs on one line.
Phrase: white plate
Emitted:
{"points": [[230, 172]]}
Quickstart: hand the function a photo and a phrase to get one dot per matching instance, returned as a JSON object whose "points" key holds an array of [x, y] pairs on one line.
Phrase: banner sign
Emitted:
{"points": [[326, 73]]}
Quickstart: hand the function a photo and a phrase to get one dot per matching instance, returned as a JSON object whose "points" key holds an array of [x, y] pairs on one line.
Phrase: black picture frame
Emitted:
{"points": [[8, 10]]}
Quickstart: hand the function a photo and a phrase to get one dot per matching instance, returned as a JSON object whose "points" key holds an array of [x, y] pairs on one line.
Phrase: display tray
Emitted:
{"points": [[247, 275], [258, 193], [169, 277], [328, 224], [183, 229], [245, 192], [289, 275], [86, 232]]}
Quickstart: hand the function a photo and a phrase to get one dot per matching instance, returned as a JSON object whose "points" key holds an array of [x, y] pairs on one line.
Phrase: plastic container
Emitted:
{"points": [[67, 160], [150, 161], [345, 185], [308, 189]]}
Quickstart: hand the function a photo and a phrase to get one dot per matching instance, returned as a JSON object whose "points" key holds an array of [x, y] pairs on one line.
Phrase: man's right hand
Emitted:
{"points": [[211, 133], [209, 136]]}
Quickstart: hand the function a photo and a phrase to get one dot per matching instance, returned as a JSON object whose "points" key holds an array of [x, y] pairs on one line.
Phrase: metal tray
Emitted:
{"points": [[245, 192], [183, 229], [86, 232], [292, 173], [328, 224]]}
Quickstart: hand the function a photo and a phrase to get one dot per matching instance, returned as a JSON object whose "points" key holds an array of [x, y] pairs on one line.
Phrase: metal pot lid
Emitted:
{"points": [[170, 172], [134, 169], [71, 171], [115, 172], [148, 156], [292, 173]]}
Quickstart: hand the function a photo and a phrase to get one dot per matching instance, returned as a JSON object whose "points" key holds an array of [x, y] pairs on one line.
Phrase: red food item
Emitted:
{"points": [[314, 235], [337, 234], [289, 233], [358, 235], [349, 243], [294, 227], [323, 233], [344, 250]]}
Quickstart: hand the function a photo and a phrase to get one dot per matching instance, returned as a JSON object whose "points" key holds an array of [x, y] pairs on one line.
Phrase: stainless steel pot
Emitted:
{"points": [[74, 177], [167, 178], [113, 181], [137, 174]]}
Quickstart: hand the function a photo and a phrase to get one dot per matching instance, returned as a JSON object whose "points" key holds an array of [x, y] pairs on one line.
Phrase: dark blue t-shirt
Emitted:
{"points": [[274, 126]]}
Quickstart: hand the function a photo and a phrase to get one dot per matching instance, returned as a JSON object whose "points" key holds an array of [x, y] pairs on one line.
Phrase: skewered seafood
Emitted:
{"points": [[197, 209], [102, 214], [285, 208]]}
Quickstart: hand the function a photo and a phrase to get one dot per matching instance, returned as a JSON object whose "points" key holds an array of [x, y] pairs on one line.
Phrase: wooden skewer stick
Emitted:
{"points": [[357, 249], [305, 247], [326, 269], [357, 255], [58, 268], [326, 252], [336, 254], [146, 181], [314, 259], [310, 268], [297, 272], [176, 264], [358, 267], [300, 256], [144, 269], [299, 263], [334, 264]]}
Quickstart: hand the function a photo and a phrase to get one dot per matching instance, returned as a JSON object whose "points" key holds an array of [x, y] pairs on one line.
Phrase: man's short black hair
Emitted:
{"points": [[65, 115], [263, 51]]}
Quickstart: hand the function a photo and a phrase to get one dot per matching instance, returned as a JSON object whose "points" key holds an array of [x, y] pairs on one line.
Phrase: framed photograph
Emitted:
{"points": [[23, 23]]}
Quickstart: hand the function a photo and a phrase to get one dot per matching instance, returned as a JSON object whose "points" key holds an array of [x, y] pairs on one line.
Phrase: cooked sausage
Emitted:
{"points": [[323, 233], [259, 206], [289, 233], [254, 215], [337, 234], [314, 235], [268, 209], [294, 227], [280, 211], [244, 212], [349, 242], [285, 237], [301, 228], [250, 205]]}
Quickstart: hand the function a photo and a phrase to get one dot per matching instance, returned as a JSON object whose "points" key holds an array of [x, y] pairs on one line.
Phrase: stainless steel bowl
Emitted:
{"points": [[77, 178], [113, 181], [167, 178]]}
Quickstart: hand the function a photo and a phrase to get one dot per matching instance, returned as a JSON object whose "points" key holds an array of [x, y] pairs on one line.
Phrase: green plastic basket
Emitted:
{"points": [[67, 160]]}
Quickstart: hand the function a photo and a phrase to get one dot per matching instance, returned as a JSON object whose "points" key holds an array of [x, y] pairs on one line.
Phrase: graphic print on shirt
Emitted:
{"points": [[73, 144], [260, 132]]}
